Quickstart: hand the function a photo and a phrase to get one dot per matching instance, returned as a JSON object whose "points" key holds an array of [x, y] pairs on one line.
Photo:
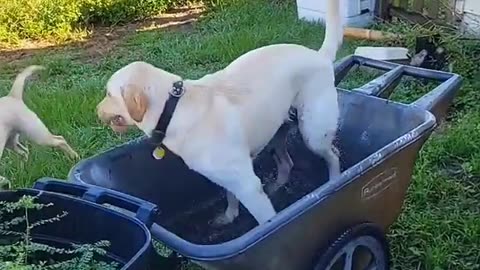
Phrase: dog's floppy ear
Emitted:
{"points": [[136, 101]]}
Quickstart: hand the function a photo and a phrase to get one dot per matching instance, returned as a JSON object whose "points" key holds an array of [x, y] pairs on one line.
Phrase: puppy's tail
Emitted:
{"points": [[333, 29], [19, 83]]}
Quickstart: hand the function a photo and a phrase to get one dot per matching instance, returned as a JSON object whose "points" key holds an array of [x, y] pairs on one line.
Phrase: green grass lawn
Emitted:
{"points": [[440, 225]]}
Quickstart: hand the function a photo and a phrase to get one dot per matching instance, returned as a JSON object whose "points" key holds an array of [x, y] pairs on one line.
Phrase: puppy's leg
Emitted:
{"points": [[230, 214], [5, 184], [3, 140], [15, 144], [36, 131], [60, 142], [237, 176], [282, 159]]}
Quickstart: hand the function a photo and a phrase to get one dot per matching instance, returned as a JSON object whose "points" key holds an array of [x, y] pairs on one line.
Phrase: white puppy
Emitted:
{"points": [[17, 119], [224, 119]]}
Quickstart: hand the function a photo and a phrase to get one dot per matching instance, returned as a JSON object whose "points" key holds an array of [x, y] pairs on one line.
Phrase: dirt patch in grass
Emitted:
{"points": [[102, 40]]}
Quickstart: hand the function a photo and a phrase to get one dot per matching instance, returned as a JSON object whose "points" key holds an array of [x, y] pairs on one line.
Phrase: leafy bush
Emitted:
{"points": [[18, 251], [37, 18], [62, 19], [115, 11]]}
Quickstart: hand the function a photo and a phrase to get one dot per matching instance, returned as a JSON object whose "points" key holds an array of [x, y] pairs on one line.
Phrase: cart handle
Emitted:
{"points": [[144, 211], [436, 101], [439, 99]]}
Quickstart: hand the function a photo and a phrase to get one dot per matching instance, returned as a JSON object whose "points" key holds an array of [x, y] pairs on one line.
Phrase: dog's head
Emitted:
{"points": [[122, 107], [129, 96]]}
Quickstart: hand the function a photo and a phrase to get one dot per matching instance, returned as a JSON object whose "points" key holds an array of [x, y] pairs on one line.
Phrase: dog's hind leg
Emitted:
{"points": [[320, 142], [4, 182], [3, 140], [318, 121], [15, 144], [36, 131], [332, 160], [282, 159]]}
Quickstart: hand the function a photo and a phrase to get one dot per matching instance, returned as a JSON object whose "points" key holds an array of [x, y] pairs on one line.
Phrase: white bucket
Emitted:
{"points": [[358, 13]]}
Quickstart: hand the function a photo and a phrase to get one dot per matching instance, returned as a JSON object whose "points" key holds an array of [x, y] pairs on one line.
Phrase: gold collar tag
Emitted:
{"points": [[158, 153]]}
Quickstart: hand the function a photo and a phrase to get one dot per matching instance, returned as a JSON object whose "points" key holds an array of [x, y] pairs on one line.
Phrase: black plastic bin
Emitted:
{"points": [[88, 221]]}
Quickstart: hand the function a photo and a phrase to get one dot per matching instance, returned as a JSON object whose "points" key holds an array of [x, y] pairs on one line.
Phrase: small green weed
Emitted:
{"points": [[20, 251]]}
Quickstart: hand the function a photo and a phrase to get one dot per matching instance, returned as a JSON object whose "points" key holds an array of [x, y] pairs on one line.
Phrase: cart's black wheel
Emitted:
{"points": [[363, 247]]}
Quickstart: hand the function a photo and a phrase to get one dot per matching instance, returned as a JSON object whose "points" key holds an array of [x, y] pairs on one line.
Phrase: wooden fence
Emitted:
{"points": [[419, 11]]}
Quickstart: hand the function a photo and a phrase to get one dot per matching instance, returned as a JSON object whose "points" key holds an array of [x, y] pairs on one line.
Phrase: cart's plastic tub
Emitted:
{"points": [[87, 222], [378, 140]]}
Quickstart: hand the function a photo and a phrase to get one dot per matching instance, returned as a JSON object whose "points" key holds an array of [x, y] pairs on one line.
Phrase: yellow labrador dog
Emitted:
{"points": [[17, 119], [219, 122]]}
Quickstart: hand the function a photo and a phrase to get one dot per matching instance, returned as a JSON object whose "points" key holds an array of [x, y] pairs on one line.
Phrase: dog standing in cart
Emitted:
{"points": [[218, 123], [331, 225]]}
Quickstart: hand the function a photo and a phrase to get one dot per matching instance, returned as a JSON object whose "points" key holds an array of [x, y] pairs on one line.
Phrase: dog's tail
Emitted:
{"points": [[19, 83], [333, 29]]}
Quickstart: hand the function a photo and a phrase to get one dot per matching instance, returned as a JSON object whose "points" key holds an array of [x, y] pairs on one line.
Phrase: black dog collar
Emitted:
{"points": [[158, 134]]}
